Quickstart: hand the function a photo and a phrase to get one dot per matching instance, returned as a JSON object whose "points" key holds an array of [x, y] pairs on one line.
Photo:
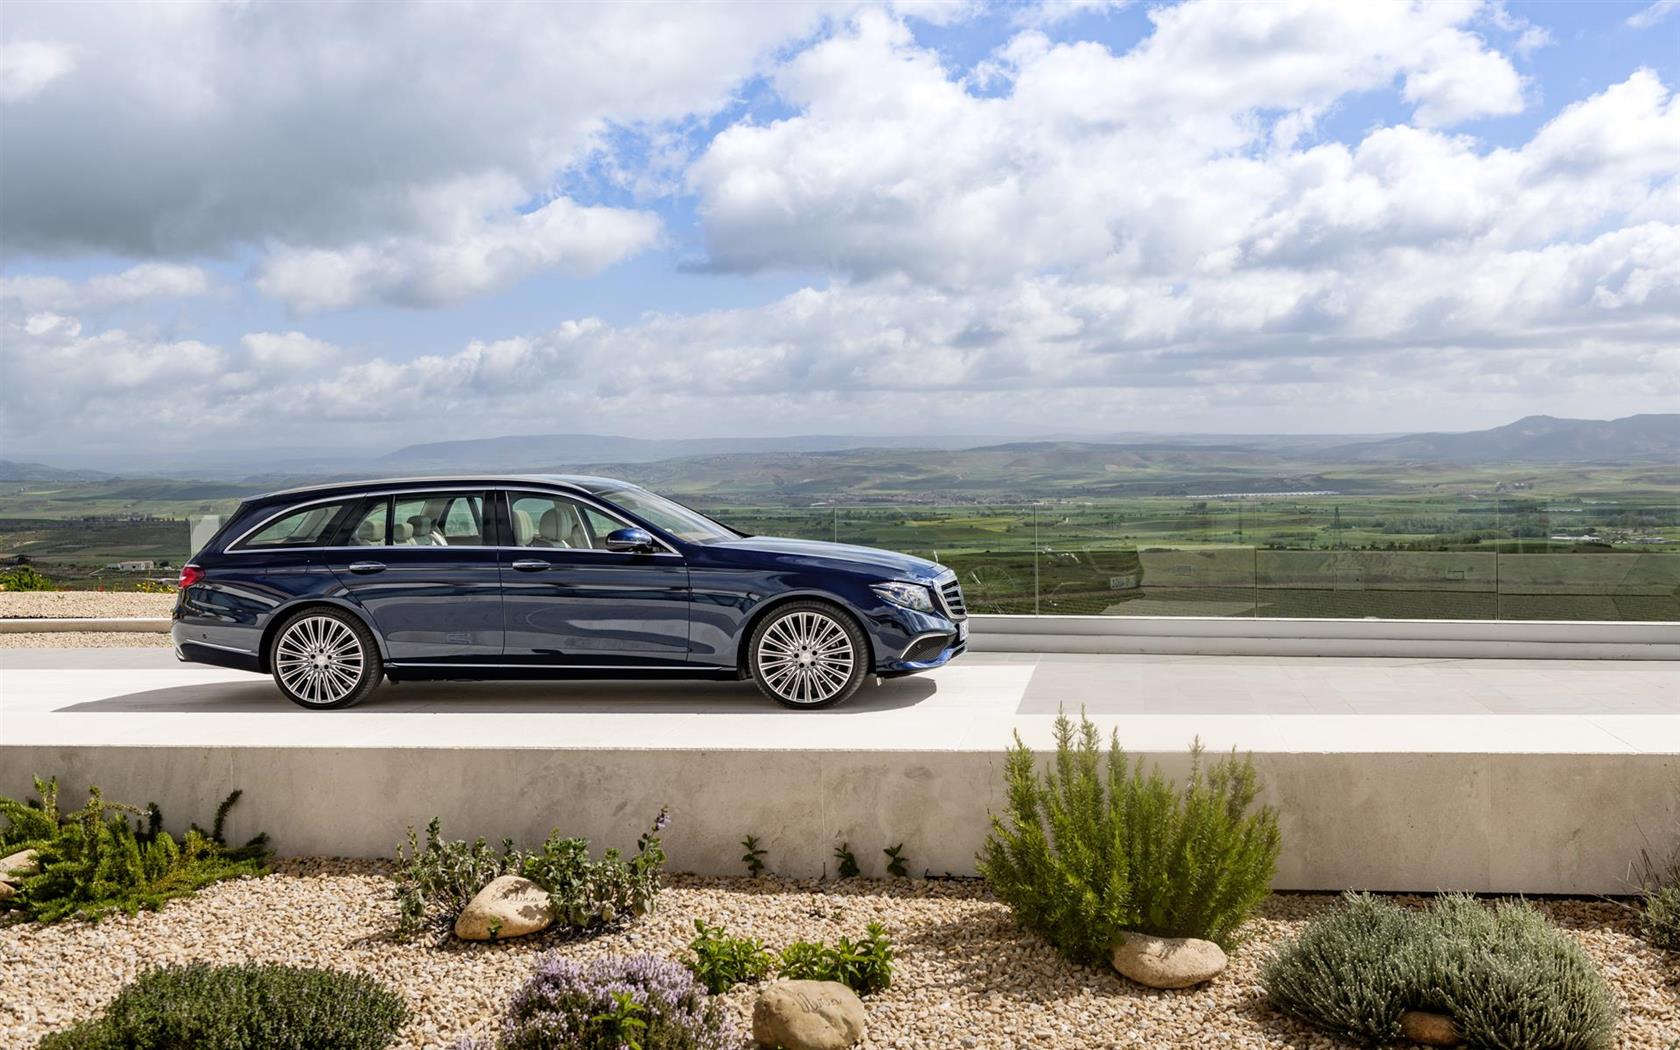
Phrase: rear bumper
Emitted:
{"points": [[193, 645]]}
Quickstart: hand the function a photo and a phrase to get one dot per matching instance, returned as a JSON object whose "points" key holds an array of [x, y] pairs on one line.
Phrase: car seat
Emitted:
{"points": [[426, 533], [558, 531], [524, 530]]}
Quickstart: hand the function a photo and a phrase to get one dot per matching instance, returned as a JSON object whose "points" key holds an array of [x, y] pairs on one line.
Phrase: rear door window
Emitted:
{"points": [[309, 527], [449, 519]]}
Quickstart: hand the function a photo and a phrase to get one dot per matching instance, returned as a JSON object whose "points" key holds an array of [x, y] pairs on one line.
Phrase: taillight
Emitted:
{"points": [[190, 574]]}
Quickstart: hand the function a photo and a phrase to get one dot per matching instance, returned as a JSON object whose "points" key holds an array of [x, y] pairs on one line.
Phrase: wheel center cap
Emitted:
{"points": [[320, 659], [807, 657]]}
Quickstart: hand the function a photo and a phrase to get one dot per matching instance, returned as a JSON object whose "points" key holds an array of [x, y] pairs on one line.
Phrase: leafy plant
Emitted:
{"points": [[93, 861], [864, 966], [721, 962], [1093, 849], [614, 1003], [1658, 884], [248, 1006], [897, 866], [24, 578], [1508, 977], [753, 858], [436, 881], [848, 860], [590, 894]]}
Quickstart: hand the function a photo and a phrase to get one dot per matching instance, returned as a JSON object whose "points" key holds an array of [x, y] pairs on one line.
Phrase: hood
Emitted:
{"points": [[890, 564]]}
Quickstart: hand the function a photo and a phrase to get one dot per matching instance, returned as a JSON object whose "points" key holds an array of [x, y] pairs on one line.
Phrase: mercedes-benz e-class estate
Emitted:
{"points": [[333, 588]]}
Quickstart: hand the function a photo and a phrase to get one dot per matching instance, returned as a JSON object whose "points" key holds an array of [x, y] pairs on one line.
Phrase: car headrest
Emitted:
{"points": [[523, 529], [402, 532]]}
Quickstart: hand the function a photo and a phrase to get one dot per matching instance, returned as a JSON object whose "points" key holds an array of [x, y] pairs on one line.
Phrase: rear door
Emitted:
{"points": [[567, 600], [424, 566]]}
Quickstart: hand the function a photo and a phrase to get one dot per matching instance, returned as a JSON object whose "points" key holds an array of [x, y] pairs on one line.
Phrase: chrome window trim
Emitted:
{"points": [[235, 548]]}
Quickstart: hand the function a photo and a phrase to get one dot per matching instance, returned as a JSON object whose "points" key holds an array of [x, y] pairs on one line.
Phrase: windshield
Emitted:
{"points": [[690, 526]]}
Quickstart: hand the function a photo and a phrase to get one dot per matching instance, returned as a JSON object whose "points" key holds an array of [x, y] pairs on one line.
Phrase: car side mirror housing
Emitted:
{"points": [[630, 541]]}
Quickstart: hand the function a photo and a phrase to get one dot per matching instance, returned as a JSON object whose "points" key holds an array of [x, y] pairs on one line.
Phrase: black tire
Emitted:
{"points": [[808, 655], [324, 659]]}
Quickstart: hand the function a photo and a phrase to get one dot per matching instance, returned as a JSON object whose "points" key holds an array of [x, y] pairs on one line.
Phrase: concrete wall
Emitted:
{"points": [[1531, 823]]}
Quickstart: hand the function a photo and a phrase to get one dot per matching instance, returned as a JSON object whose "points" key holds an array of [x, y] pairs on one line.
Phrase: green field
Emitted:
{"points": [[1561, 543]]}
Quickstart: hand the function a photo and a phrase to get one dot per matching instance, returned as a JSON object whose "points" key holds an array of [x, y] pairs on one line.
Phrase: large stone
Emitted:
{"points": [[510, 906], [1168, 962], [20, 865], [7, 890], [1421, 1026], [807, 1015]]}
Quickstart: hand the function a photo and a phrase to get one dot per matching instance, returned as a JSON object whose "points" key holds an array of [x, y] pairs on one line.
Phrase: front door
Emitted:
{"points": [[423, 567], [567, 600]]}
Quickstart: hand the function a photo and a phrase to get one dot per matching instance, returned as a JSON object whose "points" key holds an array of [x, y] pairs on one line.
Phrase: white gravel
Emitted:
{"points": [[966, 976], [85, 640], [15, 604]]}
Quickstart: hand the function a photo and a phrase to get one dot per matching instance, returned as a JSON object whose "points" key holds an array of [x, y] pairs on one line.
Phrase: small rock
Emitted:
{"points": [[1168, 962], [807, 1015], [1421, 1026], [7, 890], [21, 864], [510, 906]]}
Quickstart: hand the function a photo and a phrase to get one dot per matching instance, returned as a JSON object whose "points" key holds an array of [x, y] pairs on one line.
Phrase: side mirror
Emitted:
{"points": [[630, 541]]}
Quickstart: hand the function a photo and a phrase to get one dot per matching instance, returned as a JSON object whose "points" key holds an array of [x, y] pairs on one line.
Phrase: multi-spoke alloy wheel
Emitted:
{"points": [[807, 654], [325, 659]]}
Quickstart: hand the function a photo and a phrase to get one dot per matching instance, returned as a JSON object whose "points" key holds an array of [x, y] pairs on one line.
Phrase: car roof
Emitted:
{"points": [[583, 482]]}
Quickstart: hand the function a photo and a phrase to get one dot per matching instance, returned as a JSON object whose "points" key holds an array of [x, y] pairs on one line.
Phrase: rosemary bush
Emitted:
{"points": [[612, 1003], [1092, 849], [1508, 977], [721, 962], [93, 861], [1658, 884], [243, 1007]]}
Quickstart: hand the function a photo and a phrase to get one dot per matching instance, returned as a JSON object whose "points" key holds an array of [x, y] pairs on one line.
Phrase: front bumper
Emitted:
{"points": [[921, 643]]}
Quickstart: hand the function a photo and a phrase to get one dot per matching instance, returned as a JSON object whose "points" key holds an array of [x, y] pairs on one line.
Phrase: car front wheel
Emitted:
{"points": [[808, 654], [324, 659]]}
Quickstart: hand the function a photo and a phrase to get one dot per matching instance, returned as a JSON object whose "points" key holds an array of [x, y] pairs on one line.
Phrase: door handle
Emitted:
{"points": [[530, 565], [363, 568]]}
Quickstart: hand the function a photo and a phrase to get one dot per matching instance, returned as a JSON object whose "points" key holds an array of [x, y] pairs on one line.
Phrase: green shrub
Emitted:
{"points": [[753, 858], [846, 861], [864, 966], [589, 894], [1089, 850], [1659, 898], [24, 578], [244, 1007], [93, 861], [1507, 976], [721, 962], [436, 881]]}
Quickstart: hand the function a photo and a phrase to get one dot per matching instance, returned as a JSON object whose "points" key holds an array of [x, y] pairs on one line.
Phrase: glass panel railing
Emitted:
{"points": [[1395, 585]]}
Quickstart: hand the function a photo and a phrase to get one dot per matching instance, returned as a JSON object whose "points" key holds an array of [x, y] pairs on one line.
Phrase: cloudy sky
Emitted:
{"points": [[291, 226]]}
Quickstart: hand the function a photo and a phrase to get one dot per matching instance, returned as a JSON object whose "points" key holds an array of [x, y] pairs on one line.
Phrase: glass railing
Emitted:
{"points": [[1492, 558]]}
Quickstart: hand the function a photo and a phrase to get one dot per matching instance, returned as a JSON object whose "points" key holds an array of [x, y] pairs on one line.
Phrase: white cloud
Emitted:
{"points": [[138, 284], [215, 128], [28, 66], [1650, 16], [289, 352], [451, 262]]}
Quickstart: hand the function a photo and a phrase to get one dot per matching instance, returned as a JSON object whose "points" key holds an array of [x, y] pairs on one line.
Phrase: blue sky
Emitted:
{"points": [[275, 229]]}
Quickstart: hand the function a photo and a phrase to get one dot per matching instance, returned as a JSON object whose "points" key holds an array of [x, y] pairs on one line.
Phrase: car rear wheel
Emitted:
{"points": [[324, 659], [808, 654]]}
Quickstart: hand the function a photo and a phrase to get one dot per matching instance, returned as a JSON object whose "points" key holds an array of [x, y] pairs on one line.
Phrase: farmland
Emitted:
{"points": [[1175, 532]]}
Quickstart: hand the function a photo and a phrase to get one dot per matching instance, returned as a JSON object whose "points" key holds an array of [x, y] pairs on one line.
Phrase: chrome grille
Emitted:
{"points": [[950, 596]]}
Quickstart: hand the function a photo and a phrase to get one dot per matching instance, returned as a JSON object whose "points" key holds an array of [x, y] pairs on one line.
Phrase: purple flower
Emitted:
{"points": [[567, 1003], [662, 821]]}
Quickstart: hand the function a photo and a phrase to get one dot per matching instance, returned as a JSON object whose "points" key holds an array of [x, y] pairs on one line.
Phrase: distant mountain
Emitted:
{"points": [[1533, 439], [10, 470], [552, 451]]}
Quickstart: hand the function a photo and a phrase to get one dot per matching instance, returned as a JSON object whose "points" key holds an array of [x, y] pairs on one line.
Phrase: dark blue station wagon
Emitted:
{"points": [[333, 588]]}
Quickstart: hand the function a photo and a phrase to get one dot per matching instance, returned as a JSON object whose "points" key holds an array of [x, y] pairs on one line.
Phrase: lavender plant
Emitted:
{"points": [[614, 1003]]}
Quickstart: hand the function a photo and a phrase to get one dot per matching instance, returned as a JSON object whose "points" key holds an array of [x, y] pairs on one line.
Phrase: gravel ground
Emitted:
{"points": [[83, 603], [966, 977], [85, 640]]}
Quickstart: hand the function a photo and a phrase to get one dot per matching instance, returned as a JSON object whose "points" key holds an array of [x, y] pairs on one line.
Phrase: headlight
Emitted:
{"points": [[910, 595]]}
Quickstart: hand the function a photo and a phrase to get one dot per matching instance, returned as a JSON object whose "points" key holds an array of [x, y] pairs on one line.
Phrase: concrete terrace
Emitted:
{"points": [[1391, 773]]}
